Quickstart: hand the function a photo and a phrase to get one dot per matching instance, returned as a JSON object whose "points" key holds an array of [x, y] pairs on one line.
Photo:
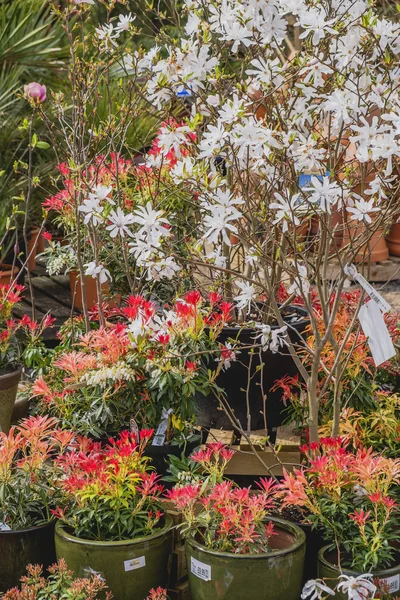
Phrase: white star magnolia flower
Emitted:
{"points": [[101, 192], [286, 210], [314, 588], [301, 285], [165, 268], [266, 71], [168, 139], [97, 272], [362, 209], [271, 339], [246, 295], [324, 193], [124, 23], [92, 210], [313, 20], [152, 224], [357, 588], [218, 258], [107, 36], [218, 223], [119, 223], [227, 356]]}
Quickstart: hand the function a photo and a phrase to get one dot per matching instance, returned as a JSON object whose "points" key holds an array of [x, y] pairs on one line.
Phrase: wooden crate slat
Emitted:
{"points": [[46, 304], [221, 435], [53, 290], [62, 280], [257, 439], [286, 438], [246, 463]]}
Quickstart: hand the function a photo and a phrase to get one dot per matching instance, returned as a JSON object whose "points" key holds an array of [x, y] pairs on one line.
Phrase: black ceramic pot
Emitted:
{"points": [[22, 547], [235, 379]]}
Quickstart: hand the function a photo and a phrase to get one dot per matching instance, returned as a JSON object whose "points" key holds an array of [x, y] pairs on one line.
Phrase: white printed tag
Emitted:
{"points": [[158, 440], [135, 563], [393, 583], [374, 327], [4, 527], [159, 437], [200, 569], [352, 272]]}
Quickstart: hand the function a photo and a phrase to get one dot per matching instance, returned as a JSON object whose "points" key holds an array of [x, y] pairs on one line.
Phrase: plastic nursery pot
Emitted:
{"points": [[130, 567], [330, 572], [8, 392], [276, 575], [22, 547], [235, 379]]}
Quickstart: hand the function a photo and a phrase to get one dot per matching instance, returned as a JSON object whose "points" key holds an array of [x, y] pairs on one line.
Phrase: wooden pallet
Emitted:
{"points": [[387, 270]]}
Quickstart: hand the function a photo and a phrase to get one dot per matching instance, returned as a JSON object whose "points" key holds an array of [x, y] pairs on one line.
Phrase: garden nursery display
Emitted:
{"points": [[199, 321]]}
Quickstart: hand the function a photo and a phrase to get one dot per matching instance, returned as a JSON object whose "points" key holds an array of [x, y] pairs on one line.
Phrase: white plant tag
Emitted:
{"points": [[158, 440], [4, 527], [393, 583], [135, 563], [200, 569], [375, 329], [352, 272], [159, 437]]}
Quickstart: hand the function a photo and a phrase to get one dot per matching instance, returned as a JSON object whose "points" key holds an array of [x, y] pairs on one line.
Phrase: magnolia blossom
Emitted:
{"points": [[153, 225], [124, 23], [286, 210], [219, 223], [271, 338], [247, 294], [119, 222], [314, 588], [35, 91], [92, 210], [98, 271], [227, 356], [300, 285], [362, 209], [107, 35], [357, 588], [323, 193]]}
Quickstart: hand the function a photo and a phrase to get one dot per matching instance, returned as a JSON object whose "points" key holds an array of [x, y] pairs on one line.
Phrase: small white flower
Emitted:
{"points": [[300, 285], [101, 192], [357, 588], [152, 223], [362, 209], [124, 23], [97, 272], [92, 210], [286, 210], [119, 223], [246, 295], [314, 588], [270, 338], [227, 356]]}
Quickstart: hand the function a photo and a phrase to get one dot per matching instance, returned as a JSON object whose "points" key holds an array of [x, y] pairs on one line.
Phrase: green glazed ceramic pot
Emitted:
{"points": [[8, 392], [130, 567], [329, 571], [276, 575], [22, 547]]}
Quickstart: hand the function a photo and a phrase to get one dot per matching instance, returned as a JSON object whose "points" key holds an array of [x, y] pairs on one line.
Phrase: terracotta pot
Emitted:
{"points": [[8, 392], [76, 291], [7, 273], [375, 250], [33, 249], [393, 240]]}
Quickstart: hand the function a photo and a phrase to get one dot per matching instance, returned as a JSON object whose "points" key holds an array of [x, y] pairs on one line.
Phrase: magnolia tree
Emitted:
{"points": [[270, 163], [291, 156]]}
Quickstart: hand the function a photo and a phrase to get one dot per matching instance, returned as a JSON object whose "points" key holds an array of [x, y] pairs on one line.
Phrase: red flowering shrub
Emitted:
{"points": [[222, 516], [110, 493], [60, 585], [349, 496], [28, 475]]}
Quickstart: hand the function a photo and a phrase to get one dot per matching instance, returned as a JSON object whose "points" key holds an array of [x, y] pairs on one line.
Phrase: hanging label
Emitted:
{"points": [[352, 272], [392, 583], [200, 569], [374, 327], [159, 437], [135, 563], [158, 440]]}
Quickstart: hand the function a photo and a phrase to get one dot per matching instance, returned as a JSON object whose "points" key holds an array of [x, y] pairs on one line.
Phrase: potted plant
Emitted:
{"points": [[20, 343], [350, 496], [110, 516], [28, 494], [146, 364], [232, 543], [59, 584]]}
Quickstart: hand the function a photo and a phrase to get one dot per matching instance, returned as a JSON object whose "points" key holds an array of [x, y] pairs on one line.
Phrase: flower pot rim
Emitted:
{"points": [[235, 329], [61, 531], [14, 376], [300, 540], [7, 268], [27, 529], [381, 573]]}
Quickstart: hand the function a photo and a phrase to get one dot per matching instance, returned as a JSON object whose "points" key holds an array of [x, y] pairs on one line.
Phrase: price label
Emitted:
{"points": [[392, 583], [135, 563], [200, 569]]}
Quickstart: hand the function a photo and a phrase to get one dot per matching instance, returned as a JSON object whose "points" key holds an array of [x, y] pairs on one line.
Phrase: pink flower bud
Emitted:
{"points": [[35, 91]]}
